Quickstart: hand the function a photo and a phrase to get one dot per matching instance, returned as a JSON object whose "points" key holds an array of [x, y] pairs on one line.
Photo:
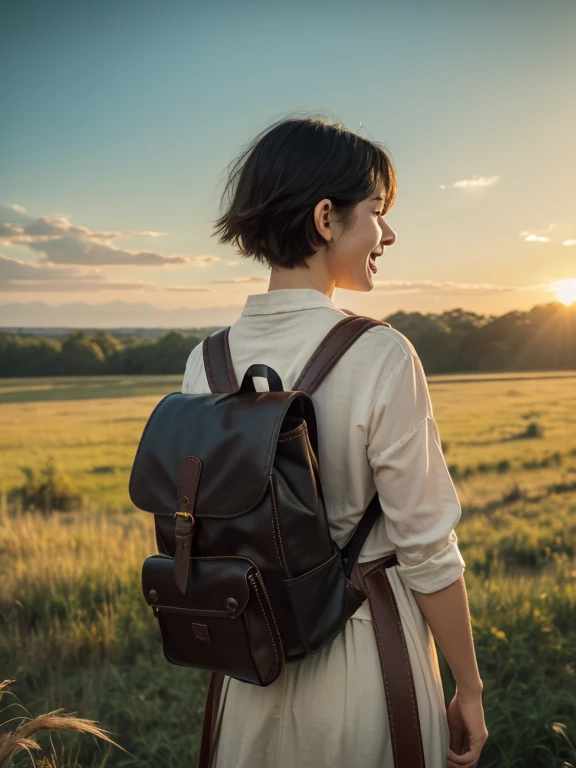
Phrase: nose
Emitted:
{"points": [[388, 234]]}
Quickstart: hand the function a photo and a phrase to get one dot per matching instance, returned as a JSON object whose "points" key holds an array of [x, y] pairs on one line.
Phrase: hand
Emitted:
{"points": [[468, 732]]}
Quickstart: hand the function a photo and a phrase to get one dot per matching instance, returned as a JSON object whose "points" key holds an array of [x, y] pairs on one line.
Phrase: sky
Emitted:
{"points": [[119, 119]]}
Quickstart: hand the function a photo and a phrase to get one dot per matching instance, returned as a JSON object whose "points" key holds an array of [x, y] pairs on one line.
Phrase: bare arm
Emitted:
{"points": [[448, 616]]}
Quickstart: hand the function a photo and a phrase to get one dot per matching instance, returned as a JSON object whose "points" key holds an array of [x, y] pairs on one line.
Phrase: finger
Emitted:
{"points": [[457, 736], [467, 760], [451, 764]]}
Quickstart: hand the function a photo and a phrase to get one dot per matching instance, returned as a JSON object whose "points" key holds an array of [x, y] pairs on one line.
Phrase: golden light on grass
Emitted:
{"points": [[565, 290]]}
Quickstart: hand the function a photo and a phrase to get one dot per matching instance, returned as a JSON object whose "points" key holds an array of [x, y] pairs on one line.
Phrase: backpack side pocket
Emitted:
{"points": [[322, 601]]}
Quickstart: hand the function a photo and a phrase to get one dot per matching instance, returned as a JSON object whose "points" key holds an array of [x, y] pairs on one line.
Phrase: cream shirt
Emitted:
{"points": [[376, 430]]}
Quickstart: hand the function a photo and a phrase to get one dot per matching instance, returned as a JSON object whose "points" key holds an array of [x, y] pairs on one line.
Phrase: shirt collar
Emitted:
{"points": [[286, 300]]}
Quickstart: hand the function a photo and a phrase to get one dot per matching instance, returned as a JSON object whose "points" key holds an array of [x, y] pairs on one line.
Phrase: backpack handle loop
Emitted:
{"points": [[264, 372]]}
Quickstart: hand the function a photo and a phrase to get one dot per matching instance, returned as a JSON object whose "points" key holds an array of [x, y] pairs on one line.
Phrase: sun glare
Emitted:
{"points": [[565, 290]]}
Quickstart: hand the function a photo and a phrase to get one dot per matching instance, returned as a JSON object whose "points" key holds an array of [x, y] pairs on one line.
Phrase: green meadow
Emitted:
{"points": [[75, 632]]}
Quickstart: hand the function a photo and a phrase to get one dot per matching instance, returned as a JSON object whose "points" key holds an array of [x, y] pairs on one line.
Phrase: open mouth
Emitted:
{"points": [[372, 263]]}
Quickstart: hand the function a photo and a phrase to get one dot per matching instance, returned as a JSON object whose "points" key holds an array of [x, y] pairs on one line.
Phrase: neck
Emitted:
{"points": [[316, 276]]}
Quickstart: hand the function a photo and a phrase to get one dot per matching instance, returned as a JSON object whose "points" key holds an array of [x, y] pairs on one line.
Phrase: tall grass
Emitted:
{"points": [[76, 633]]}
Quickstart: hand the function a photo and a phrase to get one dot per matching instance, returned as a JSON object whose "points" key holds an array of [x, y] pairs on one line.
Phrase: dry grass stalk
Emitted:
{"points": [[22, 738]]}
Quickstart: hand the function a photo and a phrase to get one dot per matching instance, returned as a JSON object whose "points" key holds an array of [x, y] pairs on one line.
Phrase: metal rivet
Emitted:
{"points": [[185, 499], [153, 596], [231, 604]]}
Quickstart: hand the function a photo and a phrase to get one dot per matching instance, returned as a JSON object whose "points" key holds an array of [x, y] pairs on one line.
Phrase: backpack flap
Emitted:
{"points": [[232, 437]]}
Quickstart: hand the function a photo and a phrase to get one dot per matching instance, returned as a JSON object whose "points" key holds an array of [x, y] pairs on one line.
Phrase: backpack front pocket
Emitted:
{"points": [[222, 623], [322, 601]]}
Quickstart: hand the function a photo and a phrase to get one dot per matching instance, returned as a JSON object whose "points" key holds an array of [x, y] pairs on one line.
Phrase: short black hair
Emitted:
{"points": [[273, 186]]}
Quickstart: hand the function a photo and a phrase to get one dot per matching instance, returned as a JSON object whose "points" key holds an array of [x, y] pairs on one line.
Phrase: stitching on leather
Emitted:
{"points": [[207, 366], [232, 380], [291, 436], [279, 637], [406, 663], [267, 623], [276, 529], [322, 565], [195, 461], [385, 679]]}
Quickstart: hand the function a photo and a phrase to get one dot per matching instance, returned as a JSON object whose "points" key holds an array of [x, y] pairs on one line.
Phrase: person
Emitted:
{"points": [[308, 198]]}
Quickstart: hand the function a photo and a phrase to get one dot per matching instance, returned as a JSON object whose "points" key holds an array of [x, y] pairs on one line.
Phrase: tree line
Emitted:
{"points": [[454, 341]]}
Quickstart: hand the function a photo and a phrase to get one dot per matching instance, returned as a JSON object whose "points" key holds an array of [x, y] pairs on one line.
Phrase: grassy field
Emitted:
{"points": [[75, 632]]}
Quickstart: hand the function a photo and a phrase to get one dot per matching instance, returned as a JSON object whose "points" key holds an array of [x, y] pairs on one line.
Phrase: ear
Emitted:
{"points": [[324, 218]]}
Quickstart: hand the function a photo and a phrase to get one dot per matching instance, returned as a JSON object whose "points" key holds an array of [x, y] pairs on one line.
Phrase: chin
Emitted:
{"points": [[361, 286]]}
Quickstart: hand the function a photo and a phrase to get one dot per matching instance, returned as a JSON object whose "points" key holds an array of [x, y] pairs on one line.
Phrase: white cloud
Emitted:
{"points": [[476, 182], [569, 242], [253, 279], [144, 234], [437, 286], [204, 260], [19, 208], [188, 288], [530, 238]]}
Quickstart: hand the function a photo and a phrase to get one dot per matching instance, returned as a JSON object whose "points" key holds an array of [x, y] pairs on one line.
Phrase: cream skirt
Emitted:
{"points": [[329, 710]]}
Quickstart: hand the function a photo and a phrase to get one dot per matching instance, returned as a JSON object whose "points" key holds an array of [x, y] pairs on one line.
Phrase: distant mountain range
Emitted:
{"points": [[112, 314]]}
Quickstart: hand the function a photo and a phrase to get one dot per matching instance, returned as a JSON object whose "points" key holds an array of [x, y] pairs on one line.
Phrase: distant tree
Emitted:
{"points": [[81, 356], [170, 353], [24, 356], [108, 344], [453, 341]]}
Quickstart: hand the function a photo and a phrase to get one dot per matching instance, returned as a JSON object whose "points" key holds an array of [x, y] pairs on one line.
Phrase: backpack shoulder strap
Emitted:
{"points": [[336, 342], [220, 371], [218, 362]]}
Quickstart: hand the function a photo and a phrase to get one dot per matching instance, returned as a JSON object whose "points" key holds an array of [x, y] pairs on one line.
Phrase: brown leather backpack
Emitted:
{"points": [[248, 576]]}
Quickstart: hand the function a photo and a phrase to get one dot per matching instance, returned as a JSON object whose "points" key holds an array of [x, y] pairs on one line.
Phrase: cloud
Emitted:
{"points": [[57, 241], [476, 182], [538, 236], [72, 250], [18, 275], [530, 238], [436, 286], [188, 288], [253, 279], [15, 207], [8, 231], [144, 234]]}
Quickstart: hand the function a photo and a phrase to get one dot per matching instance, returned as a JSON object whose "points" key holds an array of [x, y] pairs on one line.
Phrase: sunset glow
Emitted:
{"points": [[565, 290]]}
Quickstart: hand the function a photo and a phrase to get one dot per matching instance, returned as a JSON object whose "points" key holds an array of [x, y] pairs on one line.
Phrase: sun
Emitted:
{"points": [[565, 290]]}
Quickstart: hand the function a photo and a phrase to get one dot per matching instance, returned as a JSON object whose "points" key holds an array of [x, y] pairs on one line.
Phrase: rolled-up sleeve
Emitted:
{"points": [[416, 492]]}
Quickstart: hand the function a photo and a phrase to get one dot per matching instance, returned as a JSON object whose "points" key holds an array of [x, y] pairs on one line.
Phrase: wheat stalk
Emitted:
{"points": [[22, 738]]}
